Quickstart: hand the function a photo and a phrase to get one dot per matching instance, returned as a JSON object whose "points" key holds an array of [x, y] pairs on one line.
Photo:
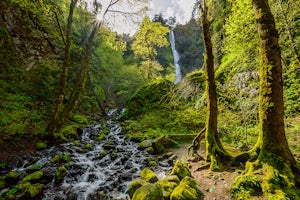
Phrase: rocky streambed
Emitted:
{"points": [[100, 165]]}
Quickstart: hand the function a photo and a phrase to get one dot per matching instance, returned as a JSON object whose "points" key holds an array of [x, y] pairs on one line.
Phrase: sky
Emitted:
{"points": [[181, 9]]}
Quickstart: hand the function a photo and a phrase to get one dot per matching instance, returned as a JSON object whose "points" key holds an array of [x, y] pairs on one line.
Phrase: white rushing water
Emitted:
{"points": [[175, 57]]}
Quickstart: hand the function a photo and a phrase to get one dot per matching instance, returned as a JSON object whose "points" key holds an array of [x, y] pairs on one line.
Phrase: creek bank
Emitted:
{"points": [[100, 165]]}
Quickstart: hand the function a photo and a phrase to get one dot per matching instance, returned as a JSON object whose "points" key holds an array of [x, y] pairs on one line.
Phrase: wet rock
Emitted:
{"points": [[48, 173], [60, 173], [34, 168], [34, 190], [33, 177], [12, 177]]}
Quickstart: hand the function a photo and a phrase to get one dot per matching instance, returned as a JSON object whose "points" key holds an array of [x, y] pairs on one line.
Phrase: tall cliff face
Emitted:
{"points": [[26, 36]]}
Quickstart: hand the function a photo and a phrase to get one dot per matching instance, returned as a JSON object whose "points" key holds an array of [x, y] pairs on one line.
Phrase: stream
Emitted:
{"points": [[104, 171]]}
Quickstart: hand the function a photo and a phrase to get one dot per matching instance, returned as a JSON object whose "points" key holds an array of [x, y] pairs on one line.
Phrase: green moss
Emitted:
{"points": [[271, 177], [81, 119], [35, 190], [88, 146], [134, 185], [33, 176], [152, 163], [76, 143], [148, 175], [13, 174], [61, 158], [40, 145], [2, 184], [148, 192], [172, 178], [35, 167], [114, 154], [147, 97], [100, 137], [145, 144], [103, 154], [246, 186], [60, 173], [159, 145], [181, 169], [167, 186], [23, 186], [188, 189]]}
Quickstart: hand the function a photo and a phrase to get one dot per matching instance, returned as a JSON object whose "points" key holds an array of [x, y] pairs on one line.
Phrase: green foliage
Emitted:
{"points": [[149, 36], [189, 45]]}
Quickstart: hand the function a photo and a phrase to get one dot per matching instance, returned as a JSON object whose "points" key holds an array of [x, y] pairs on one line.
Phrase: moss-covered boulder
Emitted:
{"points": [[88, 147], [60, 158], [35, 176], [40, 145], [2, 184], [60, 173], [149, 192], [167, 187], [145, 144], [172, 178], [134, 185], [188, 189], [148, 175], [34, 190], [158, 145], [181, 169], [12, 176]]}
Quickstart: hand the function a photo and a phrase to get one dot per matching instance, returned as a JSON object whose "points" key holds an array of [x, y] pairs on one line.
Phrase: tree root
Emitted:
{"points": [[195, 146], [270, 176]]}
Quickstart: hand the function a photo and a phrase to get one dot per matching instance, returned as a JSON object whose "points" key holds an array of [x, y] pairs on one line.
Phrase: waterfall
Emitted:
{"points": [[175, 56]]}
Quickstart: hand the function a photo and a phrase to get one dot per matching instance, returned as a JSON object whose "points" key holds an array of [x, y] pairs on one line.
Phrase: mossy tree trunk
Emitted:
{"points": [[275, 171], [52, 126], [215, 152], [271, 108]]}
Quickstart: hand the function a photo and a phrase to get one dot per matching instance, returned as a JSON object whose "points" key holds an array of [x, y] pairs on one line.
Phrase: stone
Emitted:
{"points": [[181, 169], [60, 173], [148, 175], [40, 145], [188, 189], [145, 144], [35, 190], [149, 192], [35, 176], [167, 186], [134, 185], [158, 145]]}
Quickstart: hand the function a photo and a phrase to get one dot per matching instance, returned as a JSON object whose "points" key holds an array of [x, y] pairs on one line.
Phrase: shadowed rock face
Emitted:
{"points": [[94, 169]]}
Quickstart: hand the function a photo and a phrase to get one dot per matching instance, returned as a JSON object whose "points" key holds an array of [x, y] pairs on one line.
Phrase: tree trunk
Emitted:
{"points": [[275, 172], [81, 79], [215, 152], [64, 74], [271, 107]]}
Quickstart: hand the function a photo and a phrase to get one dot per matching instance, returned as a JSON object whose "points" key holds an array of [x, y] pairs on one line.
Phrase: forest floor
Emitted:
{"points": [[214, 185]]}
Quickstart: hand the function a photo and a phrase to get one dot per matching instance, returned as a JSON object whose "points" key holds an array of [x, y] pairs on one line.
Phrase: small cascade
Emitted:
{"points": [[175, 56], [104, 171]]}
